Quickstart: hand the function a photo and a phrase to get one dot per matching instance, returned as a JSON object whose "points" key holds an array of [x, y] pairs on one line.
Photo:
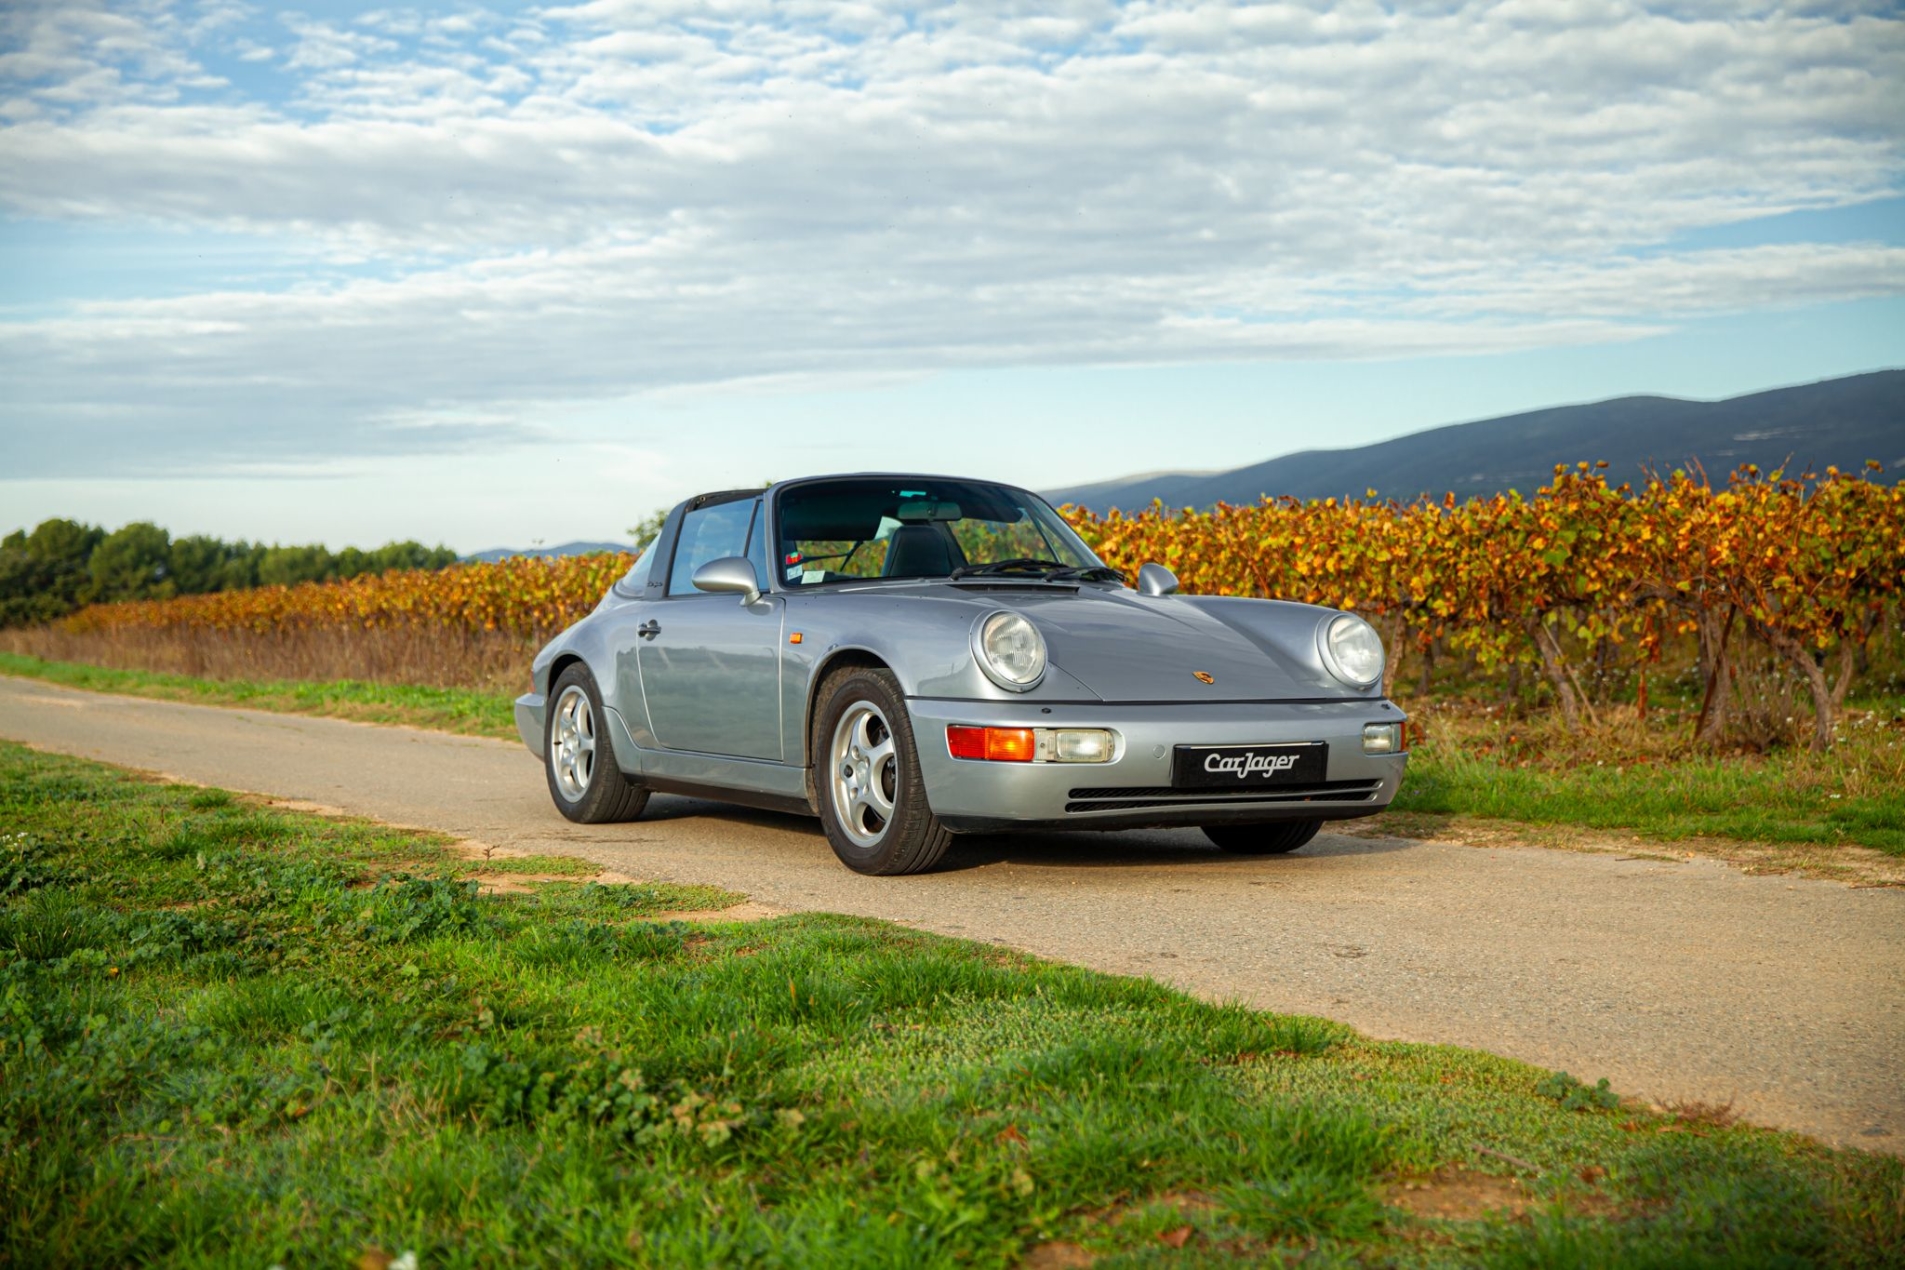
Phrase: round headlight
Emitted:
{"points": [[1352, 650], [1011, 651]]}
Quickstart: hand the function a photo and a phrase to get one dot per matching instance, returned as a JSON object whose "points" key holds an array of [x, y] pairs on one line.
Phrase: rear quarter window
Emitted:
{"points": [[636, 579]]}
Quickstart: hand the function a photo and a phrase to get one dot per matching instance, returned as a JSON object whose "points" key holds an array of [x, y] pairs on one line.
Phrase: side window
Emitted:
{"points": [[757, 547], [707, 533]]}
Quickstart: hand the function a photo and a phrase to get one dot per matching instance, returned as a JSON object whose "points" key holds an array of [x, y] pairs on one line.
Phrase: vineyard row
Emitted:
{"points": [[1808, 566]]}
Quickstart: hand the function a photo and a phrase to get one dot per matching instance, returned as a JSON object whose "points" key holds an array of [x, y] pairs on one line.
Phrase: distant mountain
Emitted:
{"points": [[1841, 422], [566, 549]]}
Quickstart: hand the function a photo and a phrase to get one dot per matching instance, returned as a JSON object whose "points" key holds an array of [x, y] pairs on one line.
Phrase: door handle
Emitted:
{"points": [[649, 629]]}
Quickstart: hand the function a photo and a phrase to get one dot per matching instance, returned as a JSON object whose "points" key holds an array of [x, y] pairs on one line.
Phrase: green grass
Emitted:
{"points": [[230, 1035], [460, 710], [543, 866], [1529, 772]]}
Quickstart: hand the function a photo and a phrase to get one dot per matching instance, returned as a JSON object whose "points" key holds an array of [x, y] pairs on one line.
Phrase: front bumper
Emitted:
{"points": [[1135, 790]]}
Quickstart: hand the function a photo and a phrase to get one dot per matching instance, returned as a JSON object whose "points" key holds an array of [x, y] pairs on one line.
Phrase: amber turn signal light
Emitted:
{"points": [[993, 745], [1032, 745]]}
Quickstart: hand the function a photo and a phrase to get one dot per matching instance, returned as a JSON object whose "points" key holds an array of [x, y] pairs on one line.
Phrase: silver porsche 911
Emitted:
{"points": [[913, 657]]}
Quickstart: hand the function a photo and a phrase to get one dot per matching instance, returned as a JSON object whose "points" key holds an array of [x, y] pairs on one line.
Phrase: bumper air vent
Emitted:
{"points": [[1140, 798]]}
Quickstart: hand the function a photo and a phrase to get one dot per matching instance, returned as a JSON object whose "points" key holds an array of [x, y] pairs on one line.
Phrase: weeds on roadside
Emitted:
{"points": [[1575, 1096], [1466, 762], [474, 712]]}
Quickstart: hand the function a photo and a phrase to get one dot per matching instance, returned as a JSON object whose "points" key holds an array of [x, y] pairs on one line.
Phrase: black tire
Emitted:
{"points": [[908, 840], [1279, 838], [606, 795]]}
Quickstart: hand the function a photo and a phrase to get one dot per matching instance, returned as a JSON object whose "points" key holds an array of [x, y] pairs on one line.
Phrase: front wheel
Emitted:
{"points": [[867, 781], [1280, 838], [579, 759]]}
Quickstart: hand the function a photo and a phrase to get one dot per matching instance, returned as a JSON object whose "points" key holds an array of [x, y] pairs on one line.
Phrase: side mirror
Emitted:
{"points": [[1153, 579], [732, 574]]}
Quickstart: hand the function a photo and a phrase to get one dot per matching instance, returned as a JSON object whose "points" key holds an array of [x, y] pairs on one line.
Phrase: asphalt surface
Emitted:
{"points": [[1677, 981]]}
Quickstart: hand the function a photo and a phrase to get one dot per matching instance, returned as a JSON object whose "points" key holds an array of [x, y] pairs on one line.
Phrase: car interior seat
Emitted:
{"points": [[921, 551]]}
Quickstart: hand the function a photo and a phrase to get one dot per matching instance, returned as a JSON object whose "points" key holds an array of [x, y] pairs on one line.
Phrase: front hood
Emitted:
{"points": [[1130, 647]]}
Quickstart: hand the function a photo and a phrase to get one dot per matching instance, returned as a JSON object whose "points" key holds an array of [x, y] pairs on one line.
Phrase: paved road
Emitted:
{"points": [[1675, 980]]}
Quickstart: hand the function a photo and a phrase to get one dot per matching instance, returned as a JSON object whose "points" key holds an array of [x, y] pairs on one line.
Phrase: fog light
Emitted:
{"points": [[1077, 745], [1382, 738], [1027, 745]]}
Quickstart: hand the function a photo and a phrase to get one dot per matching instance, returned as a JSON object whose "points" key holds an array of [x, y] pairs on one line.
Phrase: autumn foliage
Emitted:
{"points": [[524, 597], [468, 626], [1809, 567]]}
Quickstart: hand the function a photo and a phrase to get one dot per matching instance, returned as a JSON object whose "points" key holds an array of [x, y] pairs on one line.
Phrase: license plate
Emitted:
{"points": [[1245, 766]]}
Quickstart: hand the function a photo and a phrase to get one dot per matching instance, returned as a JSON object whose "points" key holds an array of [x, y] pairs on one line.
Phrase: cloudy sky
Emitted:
{"points": [[497, 274]]}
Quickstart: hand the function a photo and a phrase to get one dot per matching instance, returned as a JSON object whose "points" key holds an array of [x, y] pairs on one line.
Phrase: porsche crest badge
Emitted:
{"points": [[1204, 676]]}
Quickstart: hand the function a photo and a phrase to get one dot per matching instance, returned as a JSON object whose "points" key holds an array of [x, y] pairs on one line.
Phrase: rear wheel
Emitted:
{"points": [[867, 782], [579, 759], [1272, 839]]}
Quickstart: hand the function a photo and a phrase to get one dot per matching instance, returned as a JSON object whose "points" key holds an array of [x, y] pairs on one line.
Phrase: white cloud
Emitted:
{"points": [[626, 196], [324, 46]]}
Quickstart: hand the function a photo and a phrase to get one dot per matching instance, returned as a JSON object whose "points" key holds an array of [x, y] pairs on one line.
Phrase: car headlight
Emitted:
{"points": [[1352, 651], [1010, 650]]}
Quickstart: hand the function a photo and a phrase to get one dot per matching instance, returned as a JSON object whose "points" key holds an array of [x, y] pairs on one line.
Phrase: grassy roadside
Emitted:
{"points": [[458, 710], [1472, 778], [230, 1034]]}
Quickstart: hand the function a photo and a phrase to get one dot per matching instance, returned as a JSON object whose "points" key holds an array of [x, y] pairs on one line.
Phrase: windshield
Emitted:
{"points": [[871, 527]]}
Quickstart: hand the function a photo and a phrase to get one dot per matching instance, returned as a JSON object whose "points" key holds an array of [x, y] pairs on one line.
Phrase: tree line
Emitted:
{"points": [[63, 565]]}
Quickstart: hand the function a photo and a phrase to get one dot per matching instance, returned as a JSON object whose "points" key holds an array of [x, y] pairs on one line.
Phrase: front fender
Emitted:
{"points": [[926, 641]]}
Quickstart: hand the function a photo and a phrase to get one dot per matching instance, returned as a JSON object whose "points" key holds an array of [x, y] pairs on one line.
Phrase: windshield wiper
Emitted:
{"points": [[1047, 570], [1087, 573], [1006, 566]]}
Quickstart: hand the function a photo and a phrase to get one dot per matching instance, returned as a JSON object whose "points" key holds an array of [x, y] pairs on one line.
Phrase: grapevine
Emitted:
{"points": [[1811, 565]]}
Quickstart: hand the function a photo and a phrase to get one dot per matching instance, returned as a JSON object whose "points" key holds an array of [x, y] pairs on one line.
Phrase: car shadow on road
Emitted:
{"points": [[1067, 849], [1135, 848], [679, 807]]}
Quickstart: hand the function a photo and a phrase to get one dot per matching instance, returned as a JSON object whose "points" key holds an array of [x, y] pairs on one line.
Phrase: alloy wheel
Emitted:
{"points": [[572, 743], [865, 773]]}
